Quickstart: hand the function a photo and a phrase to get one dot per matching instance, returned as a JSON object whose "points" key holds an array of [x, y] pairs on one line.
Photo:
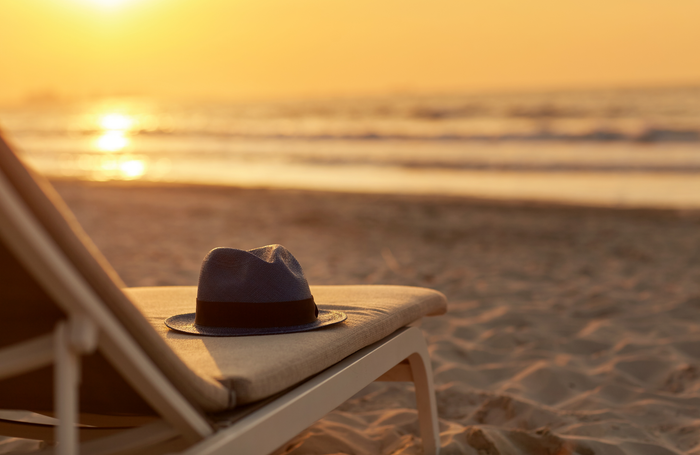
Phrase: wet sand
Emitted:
{"points": [[570, 329]]}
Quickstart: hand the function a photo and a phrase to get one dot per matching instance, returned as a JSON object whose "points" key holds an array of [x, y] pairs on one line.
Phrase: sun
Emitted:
{"points": [[108, 3]]}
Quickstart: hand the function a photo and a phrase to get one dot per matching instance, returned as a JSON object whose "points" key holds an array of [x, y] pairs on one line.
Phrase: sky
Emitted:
{"points": [[250, 49]]}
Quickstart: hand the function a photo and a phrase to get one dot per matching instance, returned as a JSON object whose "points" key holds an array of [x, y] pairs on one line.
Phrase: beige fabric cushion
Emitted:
{"points": [[259, 366]]}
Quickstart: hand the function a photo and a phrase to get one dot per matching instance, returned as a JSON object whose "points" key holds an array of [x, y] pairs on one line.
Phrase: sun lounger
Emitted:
{"points": [[79, 346]]}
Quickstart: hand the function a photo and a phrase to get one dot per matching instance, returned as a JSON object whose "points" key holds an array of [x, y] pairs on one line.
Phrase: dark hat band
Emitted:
{"points": [[255, 315]]}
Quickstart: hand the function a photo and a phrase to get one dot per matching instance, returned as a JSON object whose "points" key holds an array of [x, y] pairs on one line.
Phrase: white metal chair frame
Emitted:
{"points": [[89, 327]]}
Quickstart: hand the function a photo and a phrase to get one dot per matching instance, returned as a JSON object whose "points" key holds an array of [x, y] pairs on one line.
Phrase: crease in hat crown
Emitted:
{"points": [[266, 274]]}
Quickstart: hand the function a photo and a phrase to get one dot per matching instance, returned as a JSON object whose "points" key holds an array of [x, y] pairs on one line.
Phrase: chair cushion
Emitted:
{"points": [[257, 367]]}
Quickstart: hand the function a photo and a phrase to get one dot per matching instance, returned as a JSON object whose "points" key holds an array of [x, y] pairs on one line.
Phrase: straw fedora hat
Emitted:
{"points": [[261, 291]]}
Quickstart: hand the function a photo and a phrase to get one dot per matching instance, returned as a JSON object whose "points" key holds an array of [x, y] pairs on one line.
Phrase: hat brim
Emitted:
{"points": [[185, 323]]}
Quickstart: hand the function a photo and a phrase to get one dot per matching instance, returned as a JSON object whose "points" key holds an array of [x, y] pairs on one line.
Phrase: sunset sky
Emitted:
{"points": [[284, 48]]}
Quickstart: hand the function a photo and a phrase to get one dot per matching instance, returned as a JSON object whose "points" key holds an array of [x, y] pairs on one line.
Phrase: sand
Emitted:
{"points": [[570, 329]]}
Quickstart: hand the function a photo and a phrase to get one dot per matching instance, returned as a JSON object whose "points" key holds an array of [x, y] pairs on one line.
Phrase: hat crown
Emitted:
{"points": [[261, 275]]}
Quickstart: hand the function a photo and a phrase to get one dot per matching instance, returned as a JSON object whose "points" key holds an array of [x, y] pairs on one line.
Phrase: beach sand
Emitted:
{"points": [[570, 329]]}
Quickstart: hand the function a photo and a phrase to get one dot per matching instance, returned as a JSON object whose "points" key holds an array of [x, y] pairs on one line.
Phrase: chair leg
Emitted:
{"points": [[76, 337], [67, 371], [425, 401], [271, 425]]}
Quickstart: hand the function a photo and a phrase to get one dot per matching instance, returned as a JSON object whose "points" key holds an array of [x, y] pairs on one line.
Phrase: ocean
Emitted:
{"points": [[625, 147]]}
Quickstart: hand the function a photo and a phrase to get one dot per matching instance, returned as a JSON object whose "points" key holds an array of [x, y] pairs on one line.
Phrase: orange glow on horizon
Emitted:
{"points": [[272, 48]]}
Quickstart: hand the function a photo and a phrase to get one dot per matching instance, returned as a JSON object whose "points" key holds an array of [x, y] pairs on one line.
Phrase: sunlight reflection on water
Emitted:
{"points": [[116, 121], [114, 139]]}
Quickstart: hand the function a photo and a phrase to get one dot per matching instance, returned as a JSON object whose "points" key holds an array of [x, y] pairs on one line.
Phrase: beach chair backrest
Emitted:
{"points": [[31, 307]]}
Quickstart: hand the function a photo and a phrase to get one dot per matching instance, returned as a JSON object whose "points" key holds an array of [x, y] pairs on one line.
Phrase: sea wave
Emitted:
{"points": [[228, 158], [649, 135]]}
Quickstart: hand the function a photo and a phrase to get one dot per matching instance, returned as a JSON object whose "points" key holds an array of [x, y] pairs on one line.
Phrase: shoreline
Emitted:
{"points": [[423, 197], [636, 190]]}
